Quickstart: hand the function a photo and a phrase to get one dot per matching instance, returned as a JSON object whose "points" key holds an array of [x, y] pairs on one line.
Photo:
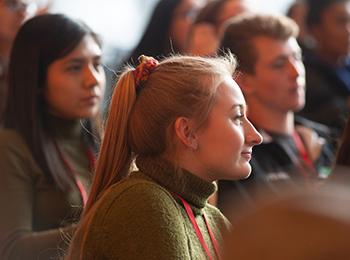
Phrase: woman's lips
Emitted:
{"points": [[247, 155], [92, 100]]}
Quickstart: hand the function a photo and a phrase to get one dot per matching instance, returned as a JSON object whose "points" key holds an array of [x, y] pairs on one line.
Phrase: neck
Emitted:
{"points": [[188, 162], [194, 190], [65, 128], [331, 58], [272, 120], [5, 49]]}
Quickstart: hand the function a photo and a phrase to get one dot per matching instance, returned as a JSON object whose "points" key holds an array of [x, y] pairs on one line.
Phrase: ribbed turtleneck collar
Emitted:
{"points": [[64, 128], [193, 189]]}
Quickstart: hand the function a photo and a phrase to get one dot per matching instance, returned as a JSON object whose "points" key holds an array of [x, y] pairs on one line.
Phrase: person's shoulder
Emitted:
{"points": [[214, 213], [16, 160], [319, 128], [131, 206], [11, 139], [137, 182], [6, 134], [136, 191]]}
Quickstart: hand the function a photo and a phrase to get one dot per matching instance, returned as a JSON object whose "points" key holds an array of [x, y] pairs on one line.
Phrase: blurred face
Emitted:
{"points": [[333, 33], [183, 18], [76, 82], [298, 14], [230, 9], [225, 143], [12, 14], [279, 79]]}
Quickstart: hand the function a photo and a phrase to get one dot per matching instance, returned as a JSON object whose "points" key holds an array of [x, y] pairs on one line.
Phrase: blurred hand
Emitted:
{"points": [[312, 141]]}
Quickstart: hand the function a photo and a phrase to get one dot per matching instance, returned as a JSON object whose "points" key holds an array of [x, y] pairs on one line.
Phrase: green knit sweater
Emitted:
{"points": [[139, 218], [34, 211]]}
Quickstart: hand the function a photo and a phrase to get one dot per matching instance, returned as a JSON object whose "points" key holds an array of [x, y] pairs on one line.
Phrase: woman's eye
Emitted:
{"points": [[238, 119], [74, 68], [97, 65]]}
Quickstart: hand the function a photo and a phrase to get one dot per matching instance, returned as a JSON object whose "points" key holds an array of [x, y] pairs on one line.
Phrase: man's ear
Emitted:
{"points": [[185, 132], [246, 82]]}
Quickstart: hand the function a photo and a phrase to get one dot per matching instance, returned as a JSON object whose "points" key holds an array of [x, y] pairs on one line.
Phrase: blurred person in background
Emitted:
{"points": [[165, 34], [295, 151], [50, 134], [12, 14], [297, 11], [341, 171], [167, 29], [303, 225], [207, 30], [328, 64]]}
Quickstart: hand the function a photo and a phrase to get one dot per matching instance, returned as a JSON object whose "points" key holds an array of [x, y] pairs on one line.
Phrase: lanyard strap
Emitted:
{"points": [[303, 153], [78, 183], [198, 231]]}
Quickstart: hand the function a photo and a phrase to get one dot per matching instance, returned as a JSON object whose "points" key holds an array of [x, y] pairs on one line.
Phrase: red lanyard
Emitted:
{"points": [[303, 153], [78, 183], [198, 231]]}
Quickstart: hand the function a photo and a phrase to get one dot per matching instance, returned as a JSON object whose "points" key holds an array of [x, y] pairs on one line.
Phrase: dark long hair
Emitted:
{"points": [[38, 43], [155, 41]]}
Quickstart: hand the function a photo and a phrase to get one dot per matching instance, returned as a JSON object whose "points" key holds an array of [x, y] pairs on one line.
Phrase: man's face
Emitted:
{"points": [[12, 14], [279, 79], [333, 32]]}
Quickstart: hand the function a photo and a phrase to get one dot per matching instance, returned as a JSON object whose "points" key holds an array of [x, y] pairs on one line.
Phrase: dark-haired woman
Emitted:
{"points": [[168, 29], [50, 135]]}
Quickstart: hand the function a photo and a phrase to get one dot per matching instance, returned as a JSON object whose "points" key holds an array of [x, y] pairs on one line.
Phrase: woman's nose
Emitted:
{"points": [[92, 76], [252, 136]]}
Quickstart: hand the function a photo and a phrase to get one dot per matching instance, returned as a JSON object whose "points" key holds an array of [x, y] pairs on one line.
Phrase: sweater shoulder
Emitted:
{"points": [[10, 139], [15, 157], [138, 189], [129, 214], [216, 216], [135, 197]]}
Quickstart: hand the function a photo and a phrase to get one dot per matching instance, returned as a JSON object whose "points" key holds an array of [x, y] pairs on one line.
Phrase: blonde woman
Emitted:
{"points": [[184, 123]]}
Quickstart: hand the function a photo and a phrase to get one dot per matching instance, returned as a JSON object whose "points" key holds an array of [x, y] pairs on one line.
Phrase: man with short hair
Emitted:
{"points": [[272, 78]]}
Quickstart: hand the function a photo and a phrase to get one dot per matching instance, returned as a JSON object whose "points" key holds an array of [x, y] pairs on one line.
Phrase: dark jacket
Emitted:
{"points": [[327, 92], [276, 165]]}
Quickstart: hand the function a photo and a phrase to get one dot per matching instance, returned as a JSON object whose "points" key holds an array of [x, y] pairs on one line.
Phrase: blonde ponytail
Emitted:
{"points": [[115, 155]]}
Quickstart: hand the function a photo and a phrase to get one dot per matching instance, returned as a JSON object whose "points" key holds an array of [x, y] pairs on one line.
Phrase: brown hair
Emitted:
{"points": [[241, 30]]}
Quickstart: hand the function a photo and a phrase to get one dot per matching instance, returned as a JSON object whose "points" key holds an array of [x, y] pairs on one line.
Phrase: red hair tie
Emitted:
{"points": [[143, 70]]}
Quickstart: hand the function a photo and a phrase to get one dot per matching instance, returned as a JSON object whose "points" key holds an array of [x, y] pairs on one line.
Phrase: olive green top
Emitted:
{"points": [[33, 209], [140, 218]]}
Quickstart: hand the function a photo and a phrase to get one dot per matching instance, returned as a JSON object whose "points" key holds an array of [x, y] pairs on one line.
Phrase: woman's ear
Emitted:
{"points": [[185, 132]]}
